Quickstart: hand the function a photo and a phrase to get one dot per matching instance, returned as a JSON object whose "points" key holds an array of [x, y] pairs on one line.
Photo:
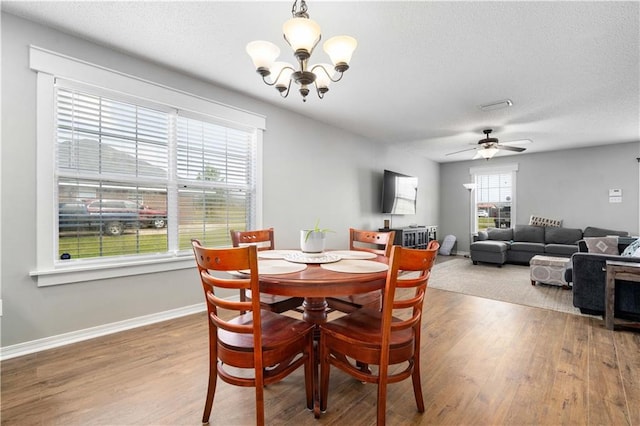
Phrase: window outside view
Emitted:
{"points": [[120, 167], [493, 200]]}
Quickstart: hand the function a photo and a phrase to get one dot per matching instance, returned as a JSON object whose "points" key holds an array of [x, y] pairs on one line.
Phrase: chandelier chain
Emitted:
{"points": [[301, 12]]}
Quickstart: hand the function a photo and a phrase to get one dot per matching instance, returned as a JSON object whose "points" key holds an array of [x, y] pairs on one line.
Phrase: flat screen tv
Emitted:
{"points": [[399, 193]]}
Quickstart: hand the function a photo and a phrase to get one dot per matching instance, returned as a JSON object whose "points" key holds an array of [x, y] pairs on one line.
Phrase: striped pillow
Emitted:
{"points": [[544, 221]]}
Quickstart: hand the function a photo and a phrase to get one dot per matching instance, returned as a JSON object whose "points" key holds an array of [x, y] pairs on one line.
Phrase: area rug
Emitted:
{"points": [[510, 283]]}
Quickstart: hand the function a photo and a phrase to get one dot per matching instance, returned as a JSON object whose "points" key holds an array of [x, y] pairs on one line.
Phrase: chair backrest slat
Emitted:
{"points": [[263, 239], [371, 241]]}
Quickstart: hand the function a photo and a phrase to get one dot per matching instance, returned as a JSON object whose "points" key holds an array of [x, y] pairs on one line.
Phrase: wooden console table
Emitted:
{"points": [[616, 270]]}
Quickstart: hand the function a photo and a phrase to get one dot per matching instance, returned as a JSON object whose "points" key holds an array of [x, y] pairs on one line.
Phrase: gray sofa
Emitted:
{"points": [[588, 274], [520, 244]]}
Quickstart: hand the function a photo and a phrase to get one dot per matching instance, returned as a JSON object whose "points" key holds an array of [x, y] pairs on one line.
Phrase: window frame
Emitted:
{"points": [[474, 172], [51, 65]]}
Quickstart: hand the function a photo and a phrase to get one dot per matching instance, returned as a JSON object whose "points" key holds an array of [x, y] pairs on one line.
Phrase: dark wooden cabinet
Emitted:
{"points": [[417, 237]]}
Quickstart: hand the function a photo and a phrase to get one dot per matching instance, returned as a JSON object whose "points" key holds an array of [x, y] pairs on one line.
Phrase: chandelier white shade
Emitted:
{"points": [[263, 53], [324, 74], [303, 35], [340, 49], [281, 74]]}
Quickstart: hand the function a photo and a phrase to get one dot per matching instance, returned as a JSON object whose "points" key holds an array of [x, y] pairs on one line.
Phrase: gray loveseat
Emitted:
{"points": [[520, 244]]}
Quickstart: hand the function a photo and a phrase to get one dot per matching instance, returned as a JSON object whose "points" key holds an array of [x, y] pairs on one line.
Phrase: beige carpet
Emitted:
{"points": [[510, 283]]}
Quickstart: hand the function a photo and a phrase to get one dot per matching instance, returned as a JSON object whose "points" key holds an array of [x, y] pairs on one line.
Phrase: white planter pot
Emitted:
{"points": [[313, 243]]}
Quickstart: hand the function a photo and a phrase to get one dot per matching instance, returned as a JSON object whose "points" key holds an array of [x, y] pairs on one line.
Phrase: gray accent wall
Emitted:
{"points": [[572, 185], [311, 170]]}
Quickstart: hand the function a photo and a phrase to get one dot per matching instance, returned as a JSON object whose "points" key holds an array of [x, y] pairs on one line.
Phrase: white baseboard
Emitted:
{"points": [[90, 333], [458, 253]]}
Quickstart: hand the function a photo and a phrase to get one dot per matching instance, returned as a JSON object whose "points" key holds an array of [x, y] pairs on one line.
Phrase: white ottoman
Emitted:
{"points": [[548, 270]]}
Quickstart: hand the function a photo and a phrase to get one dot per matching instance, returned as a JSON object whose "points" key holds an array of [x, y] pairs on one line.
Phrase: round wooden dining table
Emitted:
{"points": [[315, 284]]}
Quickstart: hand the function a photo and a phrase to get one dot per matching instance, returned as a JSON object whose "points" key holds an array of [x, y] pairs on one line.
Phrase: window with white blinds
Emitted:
{"points": [[137, 179], [216, 181], [494, 197]]}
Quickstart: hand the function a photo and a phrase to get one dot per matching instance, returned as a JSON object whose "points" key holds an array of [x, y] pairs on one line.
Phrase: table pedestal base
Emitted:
{"points": [[315, 310]]}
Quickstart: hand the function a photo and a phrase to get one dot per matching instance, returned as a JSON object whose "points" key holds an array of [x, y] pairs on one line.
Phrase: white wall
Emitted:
{"points": [[572, 185], [311, 170]]}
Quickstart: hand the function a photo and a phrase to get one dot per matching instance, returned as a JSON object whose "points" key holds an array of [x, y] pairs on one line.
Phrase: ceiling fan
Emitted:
{"points": [[488, 147]]}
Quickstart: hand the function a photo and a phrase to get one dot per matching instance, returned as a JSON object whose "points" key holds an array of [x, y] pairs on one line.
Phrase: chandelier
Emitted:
{"points": [[303, 35]]}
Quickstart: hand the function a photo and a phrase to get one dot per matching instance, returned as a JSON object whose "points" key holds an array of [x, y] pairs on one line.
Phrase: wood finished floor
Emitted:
{"points": [[484, 362]]}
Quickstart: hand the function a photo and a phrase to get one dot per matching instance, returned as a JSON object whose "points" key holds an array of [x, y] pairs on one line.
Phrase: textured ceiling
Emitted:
{"points": [[420, 71]]}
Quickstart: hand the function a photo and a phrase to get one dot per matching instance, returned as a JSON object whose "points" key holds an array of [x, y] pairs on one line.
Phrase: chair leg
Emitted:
{"points": [[259, 382], [417, 386], [211, 389], [382, 395], [309, 383], [325, 365]]}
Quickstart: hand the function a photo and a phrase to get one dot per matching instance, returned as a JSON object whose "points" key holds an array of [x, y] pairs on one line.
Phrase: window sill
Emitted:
{"points": [[68, 274]]}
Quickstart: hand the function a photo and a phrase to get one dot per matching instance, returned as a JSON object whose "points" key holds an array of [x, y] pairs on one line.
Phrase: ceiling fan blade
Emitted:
{"points": [[511, 148], [517, 142], [463, 150]]}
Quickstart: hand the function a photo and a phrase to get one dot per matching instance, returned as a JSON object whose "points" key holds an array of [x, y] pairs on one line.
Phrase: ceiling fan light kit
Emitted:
{"points": [[488, 147], [488, 152], [303, 35]]}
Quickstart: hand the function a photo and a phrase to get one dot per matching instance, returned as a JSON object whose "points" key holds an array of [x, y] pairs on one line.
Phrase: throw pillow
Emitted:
{"points": [[544, 221], [632, 248], [602, 245]]}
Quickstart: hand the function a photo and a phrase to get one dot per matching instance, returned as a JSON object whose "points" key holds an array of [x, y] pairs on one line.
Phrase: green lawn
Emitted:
{"points": [[486, 222], [88, 245]]}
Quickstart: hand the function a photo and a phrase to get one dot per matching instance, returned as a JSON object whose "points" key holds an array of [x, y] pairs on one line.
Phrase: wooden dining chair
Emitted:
{"points": [[390, 337], [270, 344], [376, 242], [379, 243], [264, 239]]}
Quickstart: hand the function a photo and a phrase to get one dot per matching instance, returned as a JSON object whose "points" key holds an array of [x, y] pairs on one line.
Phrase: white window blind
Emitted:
{"points": [[216, 180], [106, 137], [494, 188], [119, 166]]}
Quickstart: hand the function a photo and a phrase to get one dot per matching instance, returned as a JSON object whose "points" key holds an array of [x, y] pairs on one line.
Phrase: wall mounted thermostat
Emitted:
{"points": [[615, 195]]}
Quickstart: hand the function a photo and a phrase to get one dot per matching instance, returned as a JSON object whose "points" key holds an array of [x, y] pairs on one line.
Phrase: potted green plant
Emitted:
{"points": [[312, 240]]}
